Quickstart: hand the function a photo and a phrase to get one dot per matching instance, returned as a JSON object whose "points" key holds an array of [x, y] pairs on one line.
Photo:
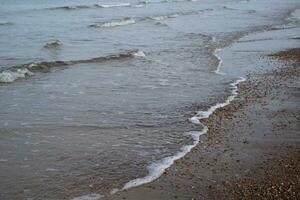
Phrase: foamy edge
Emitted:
{"points": [[93, 196], [114, 23], [218, 70], [157, 168]]}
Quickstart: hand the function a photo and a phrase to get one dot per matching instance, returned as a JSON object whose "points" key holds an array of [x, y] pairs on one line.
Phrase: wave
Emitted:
{"points": [[17, 72], [162, 17], [173, 15], [8, 76], [93, 196], [205, 114], [76, 7], [156, 169], [122, 22], [130, 21], [52, 44], [6, 23], [113, 5]]}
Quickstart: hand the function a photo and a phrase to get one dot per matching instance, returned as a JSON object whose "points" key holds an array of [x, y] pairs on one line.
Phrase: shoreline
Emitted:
{"points": [[167, 162], [88, 115], [217, 186]]}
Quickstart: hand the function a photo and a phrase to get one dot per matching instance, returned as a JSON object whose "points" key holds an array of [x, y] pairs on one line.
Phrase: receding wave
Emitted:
{"points": [[17, 72], [156, 169], [114, 23]]}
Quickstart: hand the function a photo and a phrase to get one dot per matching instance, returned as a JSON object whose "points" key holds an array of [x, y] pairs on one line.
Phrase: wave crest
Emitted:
{"points": [[123, 22], [113, 5], [8, 76], [17, 72], [53, 44], [70, 7]]}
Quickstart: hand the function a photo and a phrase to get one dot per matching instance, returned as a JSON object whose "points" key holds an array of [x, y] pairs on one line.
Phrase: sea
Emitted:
{"points": [[98, 96]]}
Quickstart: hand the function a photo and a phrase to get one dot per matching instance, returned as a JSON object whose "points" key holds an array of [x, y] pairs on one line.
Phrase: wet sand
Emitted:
{"points": [[252, 148]]}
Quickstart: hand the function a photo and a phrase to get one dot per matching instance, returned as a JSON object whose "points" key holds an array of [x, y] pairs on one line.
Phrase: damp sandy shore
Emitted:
{"points": [[252, 148]]}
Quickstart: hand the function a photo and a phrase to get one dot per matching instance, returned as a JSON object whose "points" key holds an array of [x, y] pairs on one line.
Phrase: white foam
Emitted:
{"points": [[93, 196], [217, 71], [156, 169], [138, 5], [162, 17], [205, 114], [114, 191], [49, 169], [113, 5], [114, 23], [139, 53], [8, 76]]}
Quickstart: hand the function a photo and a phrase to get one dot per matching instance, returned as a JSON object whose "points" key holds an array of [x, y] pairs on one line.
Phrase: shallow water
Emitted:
{"points": [[95, 120]]}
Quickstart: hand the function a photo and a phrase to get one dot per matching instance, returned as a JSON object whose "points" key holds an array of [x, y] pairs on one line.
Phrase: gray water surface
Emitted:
{"points": [[89, 127]]}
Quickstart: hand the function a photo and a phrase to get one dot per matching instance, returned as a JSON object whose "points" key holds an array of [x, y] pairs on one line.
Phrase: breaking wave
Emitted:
{"points": [[113, 5], [122, 22], [8, 76], [17, 72]]}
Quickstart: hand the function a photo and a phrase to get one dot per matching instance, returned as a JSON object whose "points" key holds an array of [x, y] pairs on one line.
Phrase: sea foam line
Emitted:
{"points": [[93, 196], [122, 22], [217, 71], [157, 168], [113, 5]]}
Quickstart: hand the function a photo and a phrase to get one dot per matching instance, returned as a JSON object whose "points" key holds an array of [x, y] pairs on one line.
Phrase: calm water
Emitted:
{"points": [[132, 75]]}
